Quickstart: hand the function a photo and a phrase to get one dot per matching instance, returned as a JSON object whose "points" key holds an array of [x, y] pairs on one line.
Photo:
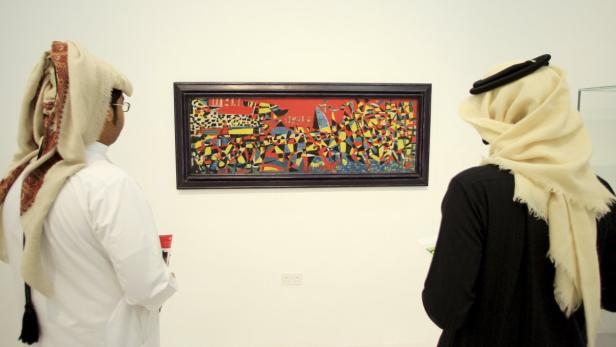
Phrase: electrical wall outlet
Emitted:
{"points": [[294, 279]]}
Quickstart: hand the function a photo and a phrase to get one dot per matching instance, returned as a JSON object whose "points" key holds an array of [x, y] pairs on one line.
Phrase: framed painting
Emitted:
{"points": [[233, 135]]}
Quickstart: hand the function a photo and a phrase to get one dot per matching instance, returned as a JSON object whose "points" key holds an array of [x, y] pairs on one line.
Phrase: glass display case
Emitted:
{"points": [[597, 106]]}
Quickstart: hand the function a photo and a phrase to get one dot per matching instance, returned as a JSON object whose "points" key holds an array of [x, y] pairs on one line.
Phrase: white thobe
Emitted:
{"points": [[102, 254]]}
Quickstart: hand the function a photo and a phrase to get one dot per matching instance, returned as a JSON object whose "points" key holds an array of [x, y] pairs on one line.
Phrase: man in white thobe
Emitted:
{"points": [[99, 250]]}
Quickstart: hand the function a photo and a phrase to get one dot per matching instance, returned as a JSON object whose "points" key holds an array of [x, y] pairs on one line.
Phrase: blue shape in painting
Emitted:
{"points": [[279, 131], [321, 118]]}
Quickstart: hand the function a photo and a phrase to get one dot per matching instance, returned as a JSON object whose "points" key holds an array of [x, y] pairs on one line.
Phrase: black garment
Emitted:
{"points": [[490, 282]]}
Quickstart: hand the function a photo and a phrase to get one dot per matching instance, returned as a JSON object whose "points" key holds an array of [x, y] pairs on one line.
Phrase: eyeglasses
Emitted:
{"points": [[125, 106]]}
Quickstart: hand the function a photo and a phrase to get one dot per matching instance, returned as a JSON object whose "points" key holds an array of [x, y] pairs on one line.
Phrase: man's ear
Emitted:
{"points": [[109, 116]]}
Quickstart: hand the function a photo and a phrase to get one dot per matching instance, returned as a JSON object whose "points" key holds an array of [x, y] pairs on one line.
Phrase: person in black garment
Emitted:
{"points": [[526, 252]]}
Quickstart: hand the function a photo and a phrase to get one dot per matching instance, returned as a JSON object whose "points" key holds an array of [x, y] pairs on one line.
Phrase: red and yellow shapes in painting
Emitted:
{"points": [[282, 136]]}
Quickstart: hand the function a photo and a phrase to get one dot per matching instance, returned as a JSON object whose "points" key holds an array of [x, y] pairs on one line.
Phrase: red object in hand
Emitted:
{"points": [[165, 244]]}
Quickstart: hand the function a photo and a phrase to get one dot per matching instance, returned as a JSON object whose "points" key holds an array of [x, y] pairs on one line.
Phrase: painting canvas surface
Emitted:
{"points": [[302, 135]]}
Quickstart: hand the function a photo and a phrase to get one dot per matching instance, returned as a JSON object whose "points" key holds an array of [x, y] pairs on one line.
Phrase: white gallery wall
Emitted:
{"points": [[357, 248]]}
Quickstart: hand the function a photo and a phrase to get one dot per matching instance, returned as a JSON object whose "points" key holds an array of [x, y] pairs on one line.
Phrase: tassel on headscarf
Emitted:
{"points": [[30, 331]]}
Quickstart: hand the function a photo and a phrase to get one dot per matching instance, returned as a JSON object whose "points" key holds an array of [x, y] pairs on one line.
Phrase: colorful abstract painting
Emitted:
{"points": [[300, 136]]}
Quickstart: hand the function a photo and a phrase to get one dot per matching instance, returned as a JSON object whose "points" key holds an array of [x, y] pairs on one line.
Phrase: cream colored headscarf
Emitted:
{"points": [[535, 133], [63, 111]]}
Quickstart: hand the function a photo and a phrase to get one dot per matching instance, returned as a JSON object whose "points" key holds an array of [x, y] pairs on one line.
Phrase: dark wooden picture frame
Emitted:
{"points": [[359, 121]]}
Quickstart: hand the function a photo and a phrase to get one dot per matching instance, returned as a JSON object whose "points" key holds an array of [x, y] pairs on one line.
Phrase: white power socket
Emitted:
{"points": [[294, 279]]}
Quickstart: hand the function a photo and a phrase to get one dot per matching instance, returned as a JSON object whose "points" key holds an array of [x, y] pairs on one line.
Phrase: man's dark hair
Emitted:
{"points": [[115, 96]]}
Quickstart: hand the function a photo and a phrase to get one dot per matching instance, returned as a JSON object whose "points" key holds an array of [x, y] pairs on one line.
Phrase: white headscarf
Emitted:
{"points": [[534, 132]]}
